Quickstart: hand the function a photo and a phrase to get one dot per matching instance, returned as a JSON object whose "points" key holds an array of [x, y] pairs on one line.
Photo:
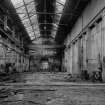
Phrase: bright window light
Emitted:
{"points": [[29, 21], [16, 1], [59, 9]]}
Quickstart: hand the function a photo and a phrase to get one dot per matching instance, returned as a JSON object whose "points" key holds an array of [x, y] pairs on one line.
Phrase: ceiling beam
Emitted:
{"points": [[46, 13], [59, 3], [37, 19], [49, 36], [53, 24], [34, 46], [48, 30], [84, 0]]}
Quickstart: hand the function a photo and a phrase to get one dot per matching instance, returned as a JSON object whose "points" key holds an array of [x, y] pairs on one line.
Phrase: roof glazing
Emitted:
{"points": [[27, 13], [26, 10], [59, 11]]}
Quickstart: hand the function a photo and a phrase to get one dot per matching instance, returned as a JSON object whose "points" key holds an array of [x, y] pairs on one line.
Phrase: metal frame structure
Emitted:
{"points": [[29, 16], [26, 14]]}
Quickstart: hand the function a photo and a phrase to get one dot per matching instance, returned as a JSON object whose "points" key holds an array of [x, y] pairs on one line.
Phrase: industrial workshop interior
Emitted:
{"points": [[52, 52]]}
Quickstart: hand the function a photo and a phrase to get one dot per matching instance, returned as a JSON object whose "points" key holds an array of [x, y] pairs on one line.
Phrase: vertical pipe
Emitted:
{"points": [[101, 43], [29, 62]]}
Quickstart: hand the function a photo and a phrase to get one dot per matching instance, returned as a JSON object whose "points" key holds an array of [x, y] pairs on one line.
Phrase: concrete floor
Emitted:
{"points": [[49, 89]]}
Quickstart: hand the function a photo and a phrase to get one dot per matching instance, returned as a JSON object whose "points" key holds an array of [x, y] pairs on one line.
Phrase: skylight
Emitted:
{"points": [[62, 1], [59, 10], [27, 13]]}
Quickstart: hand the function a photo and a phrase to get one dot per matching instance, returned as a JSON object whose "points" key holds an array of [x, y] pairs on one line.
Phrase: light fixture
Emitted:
{"points": [[44, 27]]}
